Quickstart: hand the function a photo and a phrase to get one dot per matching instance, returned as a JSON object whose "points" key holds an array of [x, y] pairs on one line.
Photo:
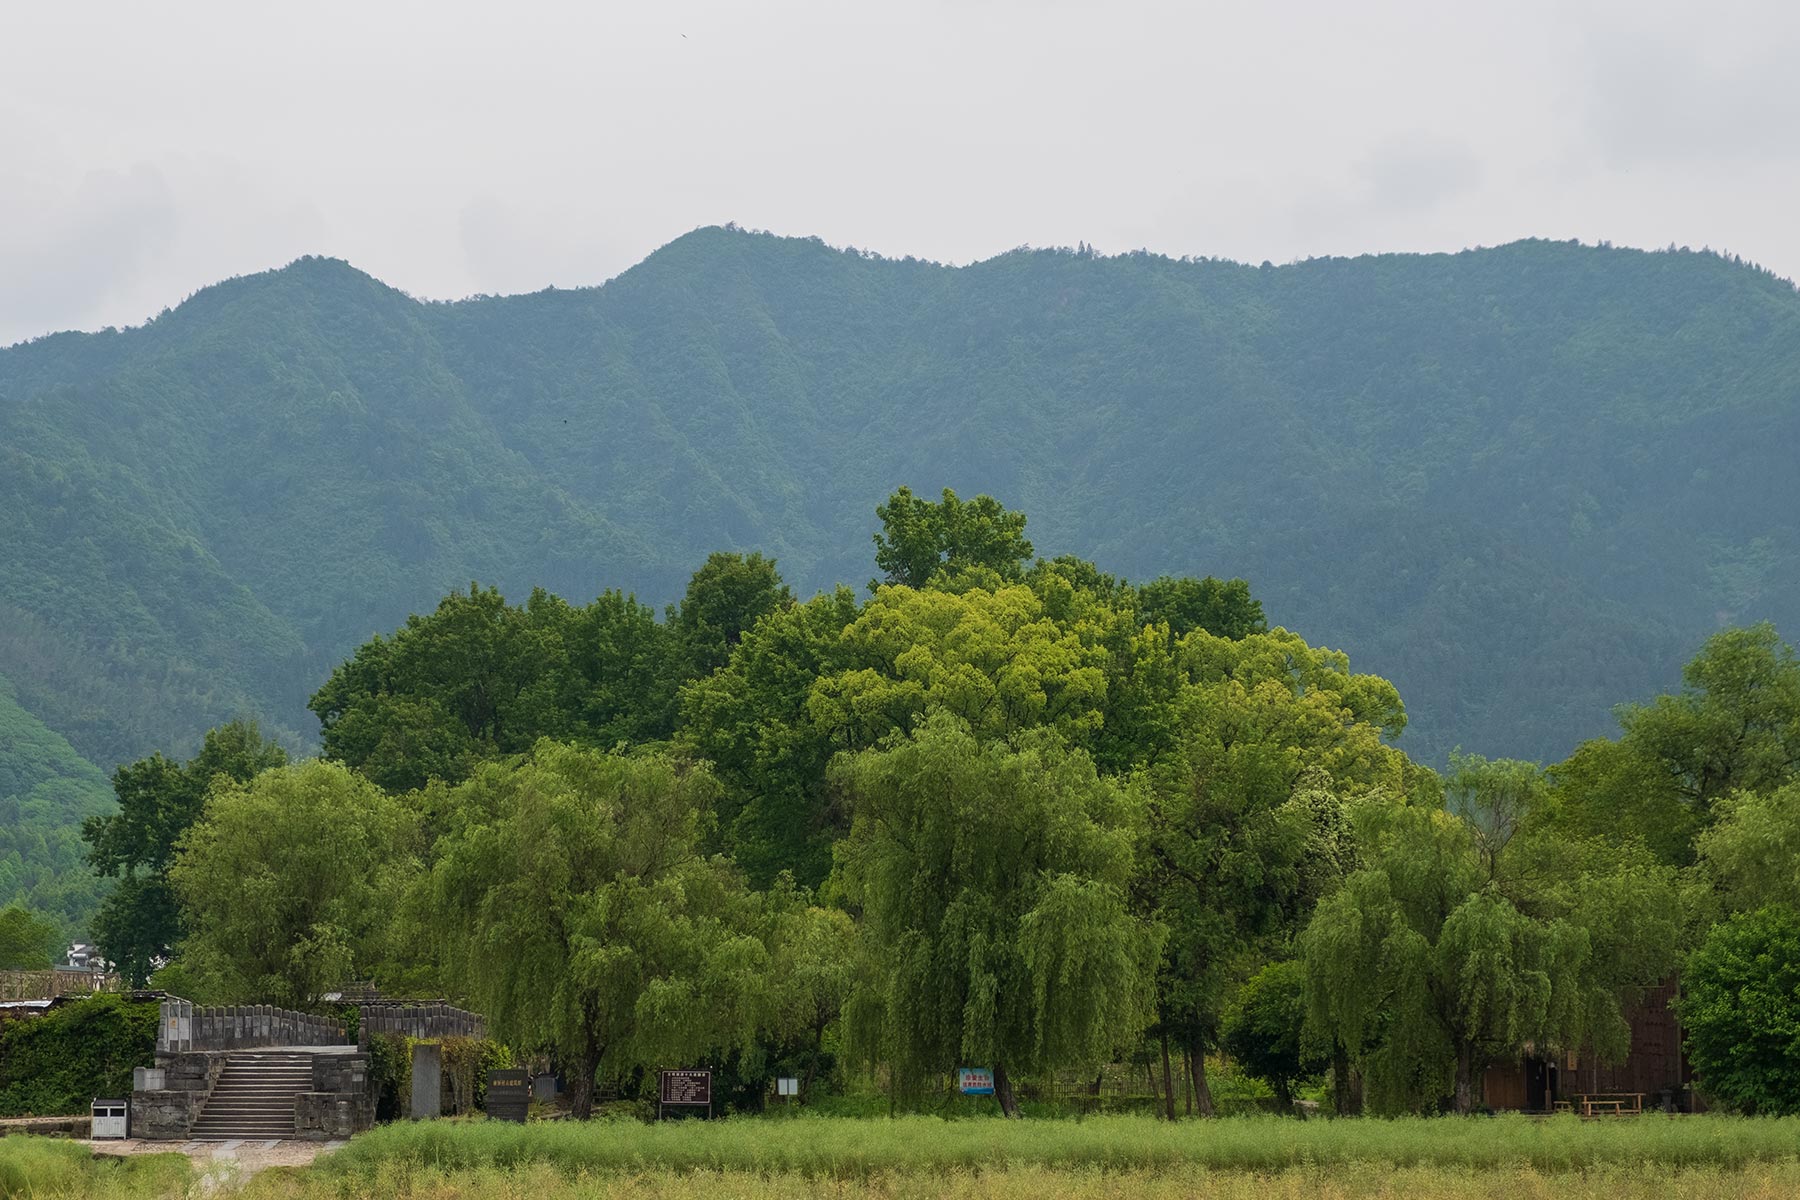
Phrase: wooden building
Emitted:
{"points": [[1655, 1067]]}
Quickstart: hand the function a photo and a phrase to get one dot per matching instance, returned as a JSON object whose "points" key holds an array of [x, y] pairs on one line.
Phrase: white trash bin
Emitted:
{"points": [[111, 1119]]}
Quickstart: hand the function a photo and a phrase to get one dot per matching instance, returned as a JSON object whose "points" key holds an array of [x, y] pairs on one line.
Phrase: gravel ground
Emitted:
{"points": [[227, 1157]]}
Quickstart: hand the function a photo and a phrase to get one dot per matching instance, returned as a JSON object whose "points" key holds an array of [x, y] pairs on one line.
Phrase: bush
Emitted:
{"points": [[1264, 1029], [55, 1064], [1741, 1006]]}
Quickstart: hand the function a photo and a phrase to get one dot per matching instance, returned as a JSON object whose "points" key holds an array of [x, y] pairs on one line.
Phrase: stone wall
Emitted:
{"points": [[325, 1116], [421, 1022], [341, 1102], [340, 1072], [166, 1098], [242, 1027], [164, 1116]]}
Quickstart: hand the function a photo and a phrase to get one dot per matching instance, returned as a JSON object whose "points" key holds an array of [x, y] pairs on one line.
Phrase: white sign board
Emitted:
{"points": [[787, 1086]]}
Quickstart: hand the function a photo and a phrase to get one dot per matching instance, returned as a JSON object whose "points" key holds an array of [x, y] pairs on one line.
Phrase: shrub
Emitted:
{"points": [[55, 1064], [1741, 1006], [1265, 1029]]}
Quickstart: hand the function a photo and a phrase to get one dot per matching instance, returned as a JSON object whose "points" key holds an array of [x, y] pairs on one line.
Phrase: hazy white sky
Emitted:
{"points": [[450, 148]]}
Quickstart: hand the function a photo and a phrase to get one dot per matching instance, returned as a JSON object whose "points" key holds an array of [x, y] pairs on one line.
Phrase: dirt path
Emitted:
{"points": [[247, 1157]]}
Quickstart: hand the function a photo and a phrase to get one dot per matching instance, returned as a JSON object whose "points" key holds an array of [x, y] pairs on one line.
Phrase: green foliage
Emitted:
{"points": [[466, 1062], [919, 538], [159, 801], [1223, 609], [572, 904], [390, 1075], [991, 881], [1735, 726], [479, 678], [725, 599], [753, 721], [1265, 737], [58, 1062], [1750, 856], [1265, 1028], [1459, 940], [46, 791], [26, 940], [287, 883], [1740, 1005]]}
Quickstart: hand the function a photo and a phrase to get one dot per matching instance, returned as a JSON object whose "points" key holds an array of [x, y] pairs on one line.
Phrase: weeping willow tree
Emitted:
{"points": [[571, 903], [992, 883], [1463, 937]]}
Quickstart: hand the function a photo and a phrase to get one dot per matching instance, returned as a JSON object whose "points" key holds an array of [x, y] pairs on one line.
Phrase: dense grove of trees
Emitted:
{"points": [[1523, 483], [1001, 811]]}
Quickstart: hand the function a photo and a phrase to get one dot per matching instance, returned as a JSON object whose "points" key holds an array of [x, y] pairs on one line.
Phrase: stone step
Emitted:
{"points": [[254, 1097]]}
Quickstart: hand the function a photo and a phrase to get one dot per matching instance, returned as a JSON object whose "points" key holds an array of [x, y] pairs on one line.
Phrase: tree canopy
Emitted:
{"points": [[288, 883], [992, 884], [1458, 939], [572, 902]]}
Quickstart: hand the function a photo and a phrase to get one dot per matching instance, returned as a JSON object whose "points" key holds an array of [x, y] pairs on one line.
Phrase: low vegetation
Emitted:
{"points": [[916, 1145], [1247, 1159]]}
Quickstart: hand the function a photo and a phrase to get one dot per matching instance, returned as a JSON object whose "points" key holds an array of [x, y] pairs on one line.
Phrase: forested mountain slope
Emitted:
{"points": [[1523, 483]]}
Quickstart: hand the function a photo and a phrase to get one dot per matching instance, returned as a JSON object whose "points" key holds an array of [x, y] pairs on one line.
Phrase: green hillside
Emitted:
{"points": [[1521, 482], [46, 789]]}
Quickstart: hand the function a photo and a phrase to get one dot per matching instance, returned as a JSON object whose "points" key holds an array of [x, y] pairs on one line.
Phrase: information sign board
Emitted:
{"points": [[685, 1089], [787, 1085], [975, 1081], [508, 1095]]}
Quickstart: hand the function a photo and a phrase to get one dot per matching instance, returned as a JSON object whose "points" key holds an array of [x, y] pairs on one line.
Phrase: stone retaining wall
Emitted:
{"points": [[166, 1098]]}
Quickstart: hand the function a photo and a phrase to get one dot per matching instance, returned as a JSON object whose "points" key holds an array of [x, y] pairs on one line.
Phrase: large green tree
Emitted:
{"points": [[1734, 726], [289, 884], [920, 537], [754, 722], [26, 939], [725, 599], [991, 879], [1740, 1007], [1237, 836], [1265, 1029], [1460, 938], [140, 921], [572, 904]]}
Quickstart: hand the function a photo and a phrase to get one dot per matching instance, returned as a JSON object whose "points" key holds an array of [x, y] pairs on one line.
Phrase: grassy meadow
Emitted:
{"points": [[1252, 1158]]}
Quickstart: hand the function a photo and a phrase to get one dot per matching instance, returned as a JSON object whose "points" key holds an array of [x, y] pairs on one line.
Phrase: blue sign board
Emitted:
{"points": [[975, 1081]]}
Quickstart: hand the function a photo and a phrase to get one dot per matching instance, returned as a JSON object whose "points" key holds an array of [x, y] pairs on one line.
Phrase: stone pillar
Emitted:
{"points": [[427, 1080]]}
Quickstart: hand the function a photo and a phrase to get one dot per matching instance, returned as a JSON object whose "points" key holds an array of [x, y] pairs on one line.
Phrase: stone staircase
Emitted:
{"points": [[254, 1098]]}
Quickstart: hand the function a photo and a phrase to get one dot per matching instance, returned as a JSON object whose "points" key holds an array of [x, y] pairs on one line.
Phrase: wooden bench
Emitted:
{"points": [[1610, 1104]]}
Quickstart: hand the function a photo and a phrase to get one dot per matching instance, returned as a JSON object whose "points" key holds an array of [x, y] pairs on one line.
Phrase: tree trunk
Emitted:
{"points": [[1465, 1079], [1202, 1091], [581, 1086], [1168, 1082], [812, 1063], [1343, 1095], [1187, 1067], [1003, 1092]]}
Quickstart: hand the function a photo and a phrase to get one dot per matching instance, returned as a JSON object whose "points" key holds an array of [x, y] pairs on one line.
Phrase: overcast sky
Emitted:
{"points": [[450, 148]]}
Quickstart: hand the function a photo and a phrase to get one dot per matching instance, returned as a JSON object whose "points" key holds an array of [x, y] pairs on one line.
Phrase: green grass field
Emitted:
{"points": [[848, 1149], [1253, 1158]]}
